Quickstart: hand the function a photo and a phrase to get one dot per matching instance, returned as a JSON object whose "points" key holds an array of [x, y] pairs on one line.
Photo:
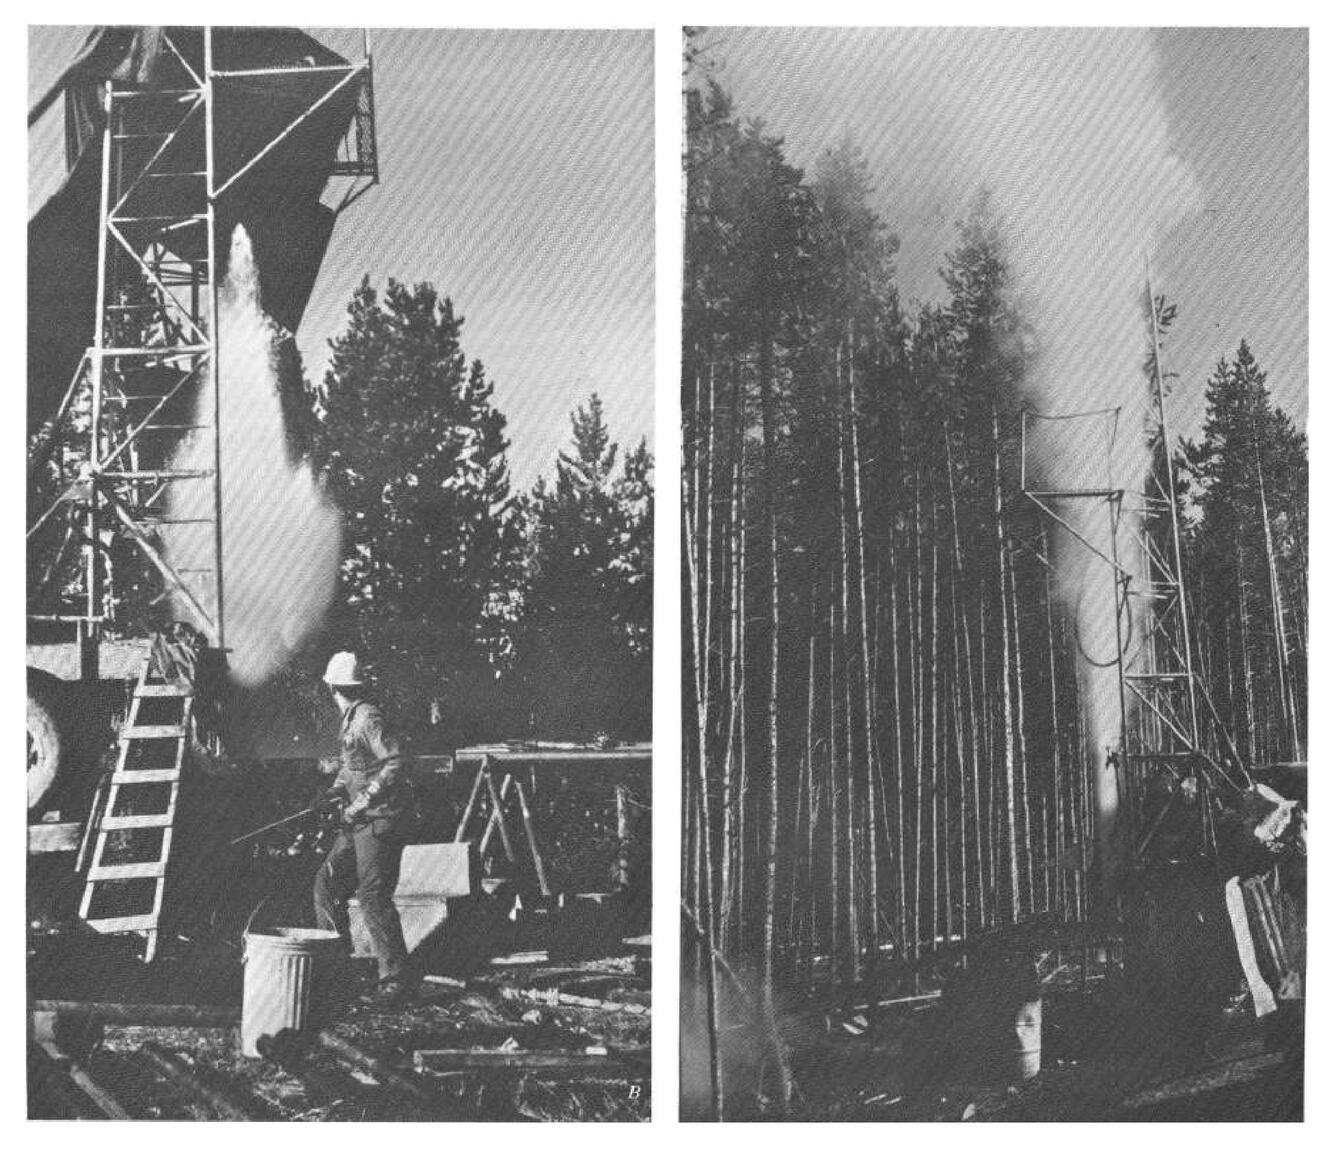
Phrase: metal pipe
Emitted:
{"points": [[211, 303]]}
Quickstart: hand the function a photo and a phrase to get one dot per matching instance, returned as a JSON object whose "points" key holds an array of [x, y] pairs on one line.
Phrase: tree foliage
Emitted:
{"points": [[583, 661], [414, 454]]}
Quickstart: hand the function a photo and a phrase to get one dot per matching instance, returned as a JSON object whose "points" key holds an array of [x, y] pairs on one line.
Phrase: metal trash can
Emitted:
{"points": [[283, 967]]}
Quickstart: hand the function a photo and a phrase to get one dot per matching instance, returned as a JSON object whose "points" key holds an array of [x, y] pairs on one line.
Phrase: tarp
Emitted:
{"points": [[278, 201]]}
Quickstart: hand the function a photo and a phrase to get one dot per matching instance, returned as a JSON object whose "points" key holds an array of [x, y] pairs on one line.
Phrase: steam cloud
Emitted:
{"points": [[281, 535], [1067, 130]]}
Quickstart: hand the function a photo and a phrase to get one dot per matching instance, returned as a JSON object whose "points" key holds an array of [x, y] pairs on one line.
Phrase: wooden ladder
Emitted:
{"points": [[140, 801]]}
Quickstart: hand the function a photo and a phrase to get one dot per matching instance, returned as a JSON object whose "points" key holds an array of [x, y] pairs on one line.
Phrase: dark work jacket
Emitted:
{"points": [[364, 742]]}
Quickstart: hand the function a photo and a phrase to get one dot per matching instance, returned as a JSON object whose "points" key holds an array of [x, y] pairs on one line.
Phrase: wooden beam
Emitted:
{"points": [[54, 837]]}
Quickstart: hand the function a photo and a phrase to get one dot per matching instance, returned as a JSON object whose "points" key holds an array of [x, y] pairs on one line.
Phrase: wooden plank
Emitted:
{"points": [[54, 837], [163, 689], [451, 1061], [145, 776], [126, 871], [123, 925], [137, 821], [152, 732], [542, 756]]}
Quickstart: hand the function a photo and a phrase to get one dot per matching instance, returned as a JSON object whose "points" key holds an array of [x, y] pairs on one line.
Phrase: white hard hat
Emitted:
{"points": [[344, 669]]}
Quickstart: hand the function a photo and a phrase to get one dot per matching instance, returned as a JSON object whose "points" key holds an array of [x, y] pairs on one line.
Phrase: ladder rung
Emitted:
{"points": [[169, 175], [138, 821], [121, 925], [163, 689], [127, 871], [144, 776], [151, 732]]}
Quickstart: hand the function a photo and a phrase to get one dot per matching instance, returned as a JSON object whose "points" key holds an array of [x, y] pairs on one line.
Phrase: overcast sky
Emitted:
{"points": [[517, 175], [938, 111]]}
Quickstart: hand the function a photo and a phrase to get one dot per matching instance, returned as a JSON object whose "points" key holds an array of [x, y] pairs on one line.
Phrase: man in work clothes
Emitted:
{"points": [[374, 792]]}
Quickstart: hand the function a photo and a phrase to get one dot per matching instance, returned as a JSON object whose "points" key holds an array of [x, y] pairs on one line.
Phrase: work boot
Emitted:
{"points": [[390, 993]]}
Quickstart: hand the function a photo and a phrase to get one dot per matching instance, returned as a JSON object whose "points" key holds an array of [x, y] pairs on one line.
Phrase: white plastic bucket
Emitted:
{"points": [[283, 967], [1029, 1033]]}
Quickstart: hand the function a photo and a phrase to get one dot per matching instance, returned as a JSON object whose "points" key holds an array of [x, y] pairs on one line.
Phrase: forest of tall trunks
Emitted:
{"points": [[885, 738]]}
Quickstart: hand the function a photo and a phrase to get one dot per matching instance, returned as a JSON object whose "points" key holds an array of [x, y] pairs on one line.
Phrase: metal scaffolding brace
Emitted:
{"points": [[136, 393]]}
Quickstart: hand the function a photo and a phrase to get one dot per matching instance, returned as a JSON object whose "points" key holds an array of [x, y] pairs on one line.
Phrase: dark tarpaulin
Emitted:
{"points": [[278, 201]]}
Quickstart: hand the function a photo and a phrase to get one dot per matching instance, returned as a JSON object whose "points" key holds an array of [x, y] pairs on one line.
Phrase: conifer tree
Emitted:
{"points": [[414, 454]]}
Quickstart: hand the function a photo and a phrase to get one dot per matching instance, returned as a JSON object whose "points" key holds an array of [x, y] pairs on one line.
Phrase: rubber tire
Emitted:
{"points": [[46, 751]]}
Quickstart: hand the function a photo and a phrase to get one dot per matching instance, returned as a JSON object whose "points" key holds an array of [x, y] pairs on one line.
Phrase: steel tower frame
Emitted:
{"points": [[1157, 674], [155, 332]]}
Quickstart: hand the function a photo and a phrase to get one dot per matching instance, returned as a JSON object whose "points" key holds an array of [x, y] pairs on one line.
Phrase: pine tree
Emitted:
{"points": [[583, 656], [414, 454], [1250, 472]]}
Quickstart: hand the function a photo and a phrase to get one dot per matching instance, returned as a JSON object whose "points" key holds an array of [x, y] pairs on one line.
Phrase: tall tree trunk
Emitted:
{"points": [[1027, 836], [934, 732], [869, 716], [850, 789], [1008, 725], [898, 734], [961, 627]]}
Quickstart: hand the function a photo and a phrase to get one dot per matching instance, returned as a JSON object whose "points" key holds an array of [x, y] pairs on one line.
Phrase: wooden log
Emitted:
{"points": [[97, 1094], [136, 1014], [625, 1062], [50, 1089], [177, 1071], [379, 1067], [553, 997]]}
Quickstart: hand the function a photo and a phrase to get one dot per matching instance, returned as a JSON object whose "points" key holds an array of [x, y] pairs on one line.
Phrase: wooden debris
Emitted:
{"points": [[1215, 1078], [621, 1063], [356, 1057], [98, 1095], [554, 997], [175, 1069], [145, 1014]]}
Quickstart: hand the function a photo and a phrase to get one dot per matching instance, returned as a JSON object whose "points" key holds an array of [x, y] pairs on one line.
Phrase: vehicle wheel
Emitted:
{"points": [[45, 751]]}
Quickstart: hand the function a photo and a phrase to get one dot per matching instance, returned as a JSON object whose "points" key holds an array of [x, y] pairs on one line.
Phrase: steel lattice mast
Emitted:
{"points": [[155, 333], [1164, 709]]}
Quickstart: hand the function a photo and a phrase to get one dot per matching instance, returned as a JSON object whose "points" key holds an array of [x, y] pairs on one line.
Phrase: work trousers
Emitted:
{"points": [[365, 863]]}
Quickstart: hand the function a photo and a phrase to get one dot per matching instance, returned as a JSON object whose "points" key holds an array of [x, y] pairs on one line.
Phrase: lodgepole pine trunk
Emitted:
{"points": [[916, 657], [988, 823], [850, 790], [898, 737], [1008, 724], [1285, 681], [934, 731], [813, 800], [960, 626], [869, 715], [744, 741], [1249, 714], [1058, 894], [831, 788], [1022, 760], [704, 910]]}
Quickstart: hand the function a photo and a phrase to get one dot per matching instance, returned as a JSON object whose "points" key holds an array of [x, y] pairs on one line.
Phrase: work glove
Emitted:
{"points": [[361, 803], [332, 801]]}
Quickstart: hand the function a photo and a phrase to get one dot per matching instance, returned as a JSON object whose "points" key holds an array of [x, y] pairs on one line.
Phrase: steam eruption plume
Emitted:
{"points": [[280, 534]]}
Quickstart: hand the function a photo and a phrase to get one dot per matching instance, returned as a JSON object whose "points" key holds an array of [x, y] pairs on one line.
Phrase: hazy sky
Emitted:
{"points": [[938, 111], [517, 175]]}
